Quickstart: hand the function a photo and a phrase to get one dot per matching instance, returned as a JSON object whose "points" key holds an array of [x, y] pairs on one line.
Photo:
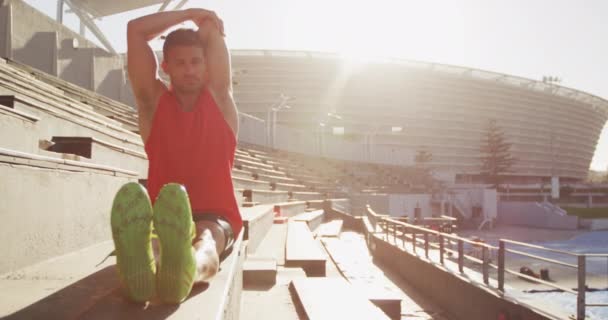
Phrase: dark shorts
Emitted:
{"points": [[224, 225]]}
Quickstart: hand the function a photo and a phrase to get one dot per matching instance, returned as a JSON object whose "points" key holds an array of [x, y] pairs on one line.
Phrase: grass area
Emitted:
{"points": [[591, 213]]}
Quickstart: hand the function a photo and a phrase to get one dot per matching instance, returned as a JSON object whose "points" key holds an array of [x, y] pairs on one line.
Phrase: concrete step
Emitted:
{"points": [[332, 298], [355, 264], [271, 178], [288, 187], [301, 250], [260, 170], [313, 219], [306, 196], [257, 221], [98, 102], [289, 209], [72, 287], [18, 130], [97, 151], [241, 174], [259, 272], [240, 161], [243, 183], [53, 206], [266, 196], [56, 119], [330, 229]]}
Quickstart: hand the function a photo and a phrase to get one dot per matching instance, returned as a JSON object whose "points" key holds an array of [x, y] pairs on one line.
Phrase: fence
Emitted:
{"points": [[399, 230]]}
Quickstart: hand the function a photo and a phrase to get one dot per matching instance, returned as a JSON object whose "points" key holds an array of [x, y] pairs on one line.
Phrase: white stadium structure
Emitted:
{"points": [[384, 111]]}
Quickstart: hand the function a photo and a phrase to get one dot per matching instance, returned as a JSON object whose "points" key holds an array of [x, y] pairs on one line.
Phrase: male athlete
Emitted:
{"points": [[189, 130]]}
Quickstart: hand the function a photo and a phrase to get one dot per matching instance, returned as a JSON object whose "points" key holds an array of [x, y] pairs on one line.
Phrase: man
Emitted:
{"points": [[189, 130]]}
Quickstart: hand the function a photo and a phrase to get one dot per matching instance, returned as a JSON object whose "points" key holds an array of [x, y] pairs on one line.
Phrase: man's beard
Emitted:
{"points": [[188, 88]]}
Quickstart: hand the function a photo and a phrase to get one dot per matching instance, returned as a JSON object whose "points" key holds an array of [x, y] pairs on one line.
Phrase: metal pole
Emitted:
{"points": [[485, 267], [414, 240], [274, 128], [386, 229], [403, 238], [501, 266], [460, 255], [582, 288], [441, 248], [395, 232], [426, 244], [60, 11]]}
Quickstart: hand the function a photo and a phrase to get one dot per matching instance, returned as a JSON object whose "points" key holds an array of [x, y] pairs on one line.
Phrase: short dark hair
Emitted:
{"points": [[181, 37]]}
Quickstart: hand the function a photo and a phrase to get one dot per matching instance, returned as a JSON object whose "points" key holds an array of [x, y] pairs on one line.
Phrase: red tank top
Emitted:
{"points": [[196, 149]]}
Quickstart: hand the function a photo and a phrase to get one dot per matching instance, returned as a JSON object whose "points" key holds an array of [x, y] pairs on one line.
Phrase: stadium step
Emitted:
{"points": [[18, 130], [332, 298], [266, 196], [71, 287], [96, 101], [287, 187], [244, 183], [101, 152], [259, 170], [302, 250], [313, 219], [306, 196], [257, 221], [57, 120], [53, 206], [330, 229], [271, 178], [363, 275], [241, 174], [289, 209], [259, 272]]}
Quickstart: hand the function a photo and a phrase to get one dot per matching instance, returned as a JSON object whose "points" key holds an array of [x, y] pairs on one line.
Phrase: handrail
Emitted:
{"points": [[539, 247], [521, 253], [396, 228]]}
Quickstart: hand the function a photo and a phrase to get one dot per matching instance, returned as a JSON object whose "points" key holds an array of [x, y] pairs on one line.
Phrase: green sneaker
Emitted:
{"points": [[175, 228], [131, 222]]}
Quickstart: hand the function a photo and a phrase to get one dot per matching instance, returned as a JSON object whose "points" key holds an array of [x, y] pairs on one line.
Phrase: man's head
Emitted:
{"points": [[184, 60]]}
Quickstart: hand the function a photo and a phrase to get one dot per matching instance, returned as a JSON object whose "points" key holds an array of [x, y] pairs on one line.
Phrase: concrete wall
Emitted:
{"points": [[392, 154], [44, 214], [296, 140], [404, 204], [378, 202], [39, 41], [108, 74], [531, 215], [461, 298], [252, 129]]}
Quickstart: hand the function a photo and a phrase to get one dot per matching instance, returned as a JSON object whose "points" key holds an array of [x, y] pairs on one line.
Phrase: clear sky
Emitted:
{"points": [[563, 38]]}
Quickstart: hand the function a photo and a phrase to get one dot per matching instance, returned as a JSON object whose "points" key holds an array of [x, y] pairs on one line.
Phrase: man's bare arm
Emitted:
{"points": [[141, 61], [220, 74]]}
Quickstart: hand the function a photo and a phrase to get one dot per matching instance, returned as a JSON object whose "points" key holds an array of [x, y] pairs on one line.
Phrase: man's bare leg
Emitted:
{"points": [[209, 244]]}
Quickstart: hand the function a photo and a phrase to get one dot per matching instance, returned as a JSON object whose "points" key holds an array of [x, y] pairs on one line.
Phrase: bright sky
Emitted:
{"points": [[563, 38]]}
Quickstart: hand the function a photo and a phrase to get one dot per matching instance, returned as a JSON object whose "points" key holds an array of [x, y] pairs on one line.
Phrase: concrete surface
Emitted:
{"points": [[75, 287], [50, 212]]}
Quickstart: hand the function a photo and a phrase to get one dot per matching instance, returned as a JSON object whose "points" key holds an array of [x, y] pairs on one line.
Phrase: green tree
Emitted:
{"points": [[422, 166], [496, 158]]}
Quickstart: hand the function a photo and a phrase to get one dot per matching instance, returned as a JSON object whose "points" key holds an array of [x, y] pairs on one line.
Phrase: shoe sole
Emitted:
{"points": [[131, 221], [175, 229]]}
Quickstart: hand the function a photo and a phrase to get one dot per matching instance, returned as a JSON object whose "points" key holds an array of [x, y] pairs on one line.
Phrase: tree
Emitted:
{"points": [[496, 159], [422, 166]]}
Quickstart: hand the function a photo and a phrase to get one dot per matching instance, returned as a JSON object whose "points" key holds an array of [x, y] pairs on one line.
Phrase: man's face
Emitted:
{"points": [[185, 66]]}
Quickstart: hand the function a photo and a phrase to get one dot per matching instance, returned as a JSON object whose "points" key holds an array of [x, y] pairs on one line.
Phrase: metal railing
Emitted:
{"points": [[392, 229]]}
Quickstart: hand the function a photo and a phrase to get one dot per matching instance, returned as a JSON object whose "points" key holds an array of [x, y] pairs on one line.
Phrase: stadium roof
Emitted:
{"points": [[88, 10], [102, 8], [525, 83]]}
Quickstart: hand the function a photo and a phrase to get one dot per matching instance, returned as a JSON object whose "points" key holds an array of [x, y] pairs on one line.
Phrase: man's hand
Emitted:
{"points": [[200, 16]]}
